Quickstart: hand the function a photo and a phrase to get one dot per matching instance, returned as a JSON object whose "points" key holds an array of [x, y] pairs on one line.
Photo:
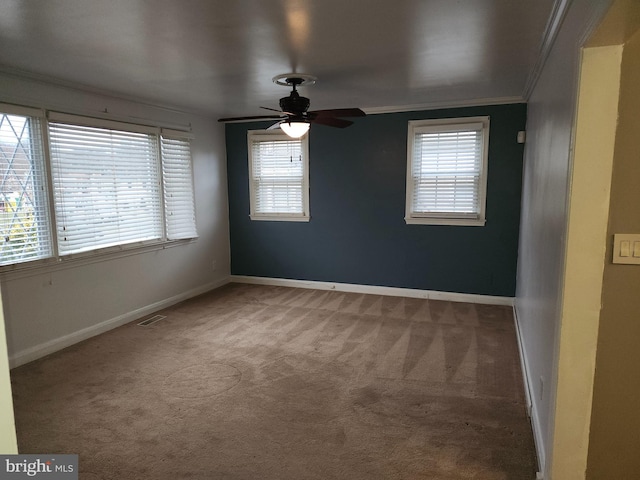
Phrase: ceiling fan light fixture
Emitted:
{"points": [[295, 129]]}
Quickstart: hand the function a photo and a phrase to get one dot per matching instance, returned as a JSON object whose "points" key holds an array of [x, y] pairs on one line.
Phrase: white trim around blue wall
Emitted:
{"points": [[376, 290]]}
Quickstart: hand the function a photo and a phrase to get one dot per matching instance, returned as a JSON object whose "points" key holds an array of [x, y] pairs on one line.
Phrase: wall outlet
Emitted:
{"points": [[214, 265]]}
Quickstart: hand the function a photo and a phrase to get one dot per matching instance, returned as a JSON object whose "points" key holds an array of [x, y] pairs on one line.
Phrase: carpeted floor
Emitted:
{"points": [[275, 383]]}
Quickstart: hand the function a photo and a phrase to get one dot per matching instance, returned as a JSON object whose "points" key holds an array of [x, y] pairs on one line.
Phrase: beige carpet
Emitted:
{"points": [[257, 382]]}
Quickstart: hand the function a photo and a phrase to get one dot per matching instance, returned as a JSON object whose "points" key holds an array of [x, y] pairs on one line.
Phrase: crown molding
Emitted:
{"points": [[558, 12], [556, 19], [480, 102]]}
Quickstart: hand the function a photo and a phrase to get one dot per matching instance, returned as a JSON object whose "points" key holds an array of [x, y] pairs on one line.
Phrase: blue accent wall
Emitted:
{"points": [[357, 233]]}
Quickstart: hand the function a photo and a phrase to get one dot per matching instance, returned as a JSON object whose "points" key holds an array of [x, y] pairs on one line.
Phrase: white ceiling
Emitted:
{"points": [[219, 56]]}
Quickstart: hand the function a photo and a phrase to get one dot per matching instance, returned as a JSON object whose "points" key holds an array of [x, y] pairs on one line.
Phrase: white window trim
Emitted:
{"points": [[412, 218], [279, 217], [57, 261]]}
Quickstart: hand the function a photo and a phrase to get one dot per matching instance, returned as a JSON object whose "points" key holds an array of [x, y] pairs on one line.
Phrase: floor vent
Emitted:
{"points": [[151, 320]]}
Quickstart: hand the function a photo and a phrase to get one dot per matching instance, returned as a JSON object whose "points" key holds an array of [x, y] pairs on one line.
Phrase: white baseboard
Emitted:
{"points": [[376, 290], [33, 353], [531, 404]]}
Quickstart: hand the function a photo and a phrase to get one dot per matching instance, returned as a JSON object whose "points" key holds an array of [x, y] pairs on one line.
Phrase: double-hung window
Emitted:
{"points": [[177, 182], [447, 171], [278, 176], [25, 233], [107, 185]]}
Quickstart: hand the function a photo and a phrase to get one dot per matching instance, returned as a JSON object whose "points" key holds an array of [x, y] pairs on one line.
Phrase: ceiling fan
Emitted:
{"points": [[294, 117]]}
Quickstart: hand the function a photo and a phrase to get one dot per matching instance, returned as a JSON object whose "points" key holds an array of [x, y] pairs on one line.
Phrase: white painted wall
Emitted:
{"points": [[52, 307], [544, 217]]}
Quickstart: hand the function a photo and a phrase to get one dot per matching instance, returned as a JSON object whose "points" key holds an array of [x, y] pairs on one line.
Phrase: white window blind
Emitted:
{"points": [[446, 171], [180, 217], [24, 212], [279, 178], [106, 186]]}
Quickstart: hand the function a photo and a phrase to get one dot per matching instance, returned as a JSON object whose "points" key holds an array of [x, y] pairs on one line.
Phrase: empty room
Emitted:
{"points": [[297, 239]]}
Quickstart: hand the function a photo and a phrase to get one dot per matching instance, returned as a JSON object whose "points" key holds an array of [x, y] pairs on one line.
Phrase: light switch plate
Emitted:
{"points": [[624, 246]]}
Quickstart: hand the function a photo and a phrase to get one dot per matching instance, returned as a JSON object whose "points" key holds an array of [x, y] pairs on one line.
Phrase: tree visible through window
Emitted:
{"points": [[24, 232], [111, 185]]}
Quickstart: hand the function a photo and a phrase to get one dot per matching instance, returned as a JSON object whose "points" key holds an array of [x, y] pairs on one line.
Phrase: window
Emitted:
{"points": [[180, 212], [106, 187], [278, 176], [111, 185], [446, 171], [24, 212]]}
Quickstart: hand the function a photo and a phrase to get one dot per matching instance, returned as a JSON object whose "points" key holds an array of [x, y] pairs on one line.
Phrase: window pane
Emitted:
{"points": [[180, 215], [106, 187], [278, 176], [24, 226], [447, 170]]}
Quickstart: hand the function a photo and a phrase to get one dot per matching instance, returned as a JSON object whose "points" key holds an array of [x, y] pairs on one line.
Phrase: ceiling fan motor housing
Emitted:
{"points": [[294, 103]]}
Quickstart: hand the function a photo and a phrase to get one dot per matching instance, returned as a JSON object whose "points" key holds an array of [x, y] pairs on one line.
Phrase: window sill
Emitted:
{"points": [[47, 265], [468, 222], [280, 218]]}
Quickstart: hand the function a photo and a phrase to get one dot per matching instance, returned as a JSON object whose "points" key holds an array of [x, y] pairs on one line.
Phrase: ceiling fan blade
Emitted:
{"points": [[340, 112], [275, 110], [274, 126], [331, 121], [255, 117]]}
